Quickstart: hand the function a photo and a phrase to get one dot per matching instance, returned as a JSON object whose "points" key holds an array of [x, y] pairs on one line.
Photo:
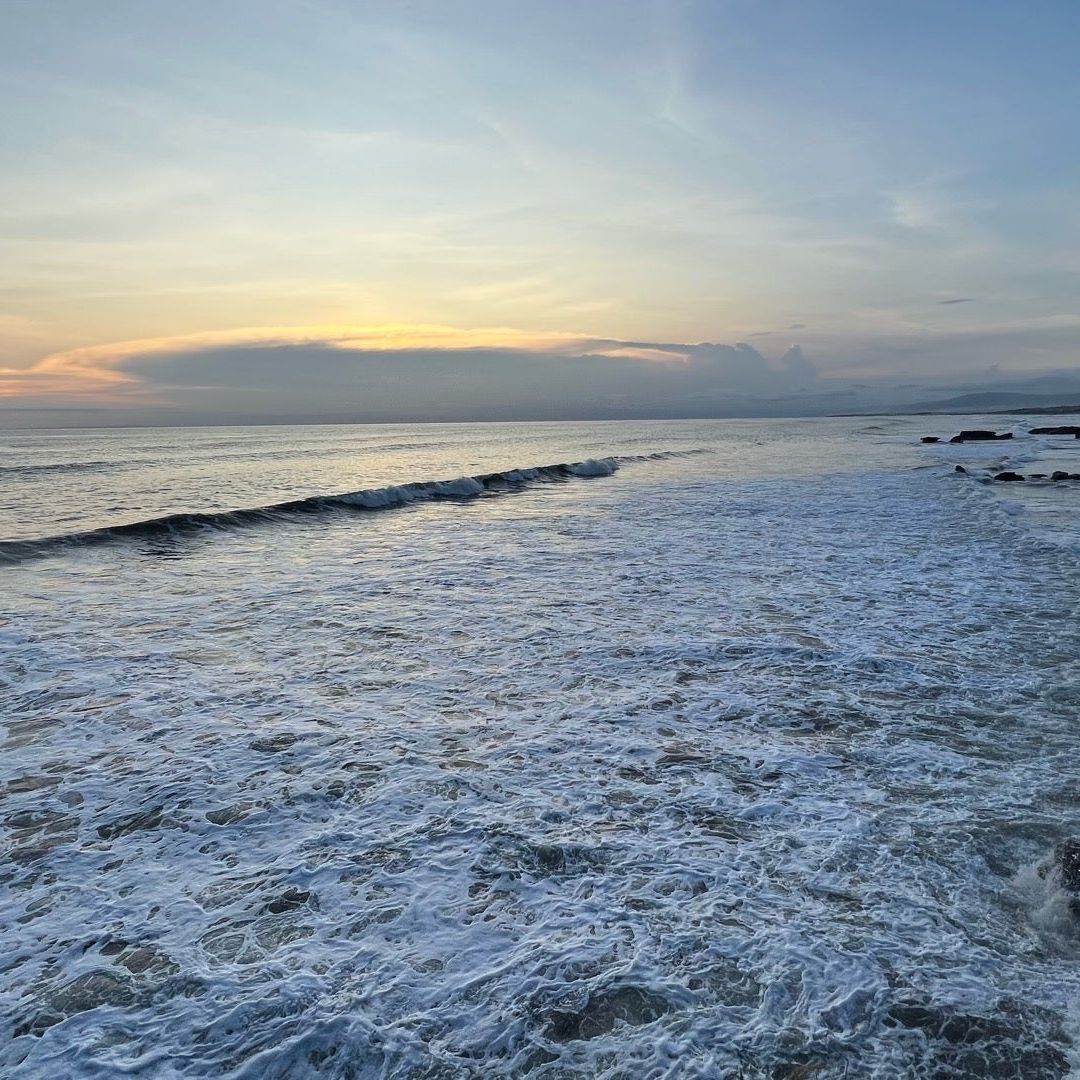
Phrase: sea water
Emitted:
{"points": [[622, 750]]}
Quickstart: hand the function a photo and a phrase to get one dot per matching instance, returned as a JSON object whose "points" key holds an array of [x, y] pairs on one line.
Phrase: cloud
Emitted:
{"points": [[798, 365], [418, 372], [1020, 349], [103, 370], [959, 300], [410, 373]]}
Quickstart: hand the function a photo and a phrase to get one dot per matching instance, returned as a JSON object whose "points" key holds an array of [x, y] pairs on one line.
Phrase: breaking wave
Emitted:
{"points": [[380, 498]]}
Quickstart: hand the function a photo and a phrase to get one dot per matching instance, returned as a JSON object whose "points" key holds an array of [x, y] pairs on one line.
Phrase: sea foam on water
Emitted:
{"points": [[746, 759]]}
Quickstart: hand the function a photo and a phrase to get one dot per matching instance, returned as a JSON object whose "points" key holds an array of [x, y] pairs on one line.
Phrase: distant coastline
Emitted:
{"points": [[1046, 410], [1026, 410]]}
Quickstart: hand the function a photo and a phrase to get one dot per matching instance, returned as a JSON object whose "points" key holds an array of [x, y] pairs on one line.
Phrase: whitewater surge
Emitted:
{"points": [[731, 768]]}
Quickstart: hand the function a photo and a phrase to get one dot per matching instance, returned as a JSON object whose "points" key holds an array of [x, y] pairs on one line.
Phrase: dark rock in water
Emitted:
{"points": [[1067, 858], [1017, 1042], [273, 744], [1063, 429], [1008, 476], [626, 1005], [1059, 475], [1064, 867], [960, 469], [1037, 476], [979, 435], [228, 814], [150, 819], [93, 989], [87, 992], [804, 1067], [290, 900], [930, 438]]}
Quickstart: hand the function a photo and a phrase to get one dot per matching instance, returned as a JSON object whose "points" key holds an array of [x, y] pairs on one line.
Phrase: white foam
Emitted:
{"points": [[594, 467], [688, 774]]}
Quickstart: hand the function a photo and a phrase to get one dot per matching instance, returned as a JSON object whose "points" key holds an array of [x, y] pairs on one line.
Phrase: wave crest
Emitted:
{"points": [[382, 498]]}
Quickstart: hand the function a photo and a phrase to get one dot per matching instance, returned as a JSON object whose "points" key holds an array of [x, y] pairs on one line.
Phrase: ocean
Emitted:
{"points": [[622, 750]]}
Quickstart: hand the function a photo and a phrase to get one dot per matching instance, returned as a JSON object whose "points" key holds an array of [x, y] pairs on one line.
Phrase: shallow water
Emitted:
{"points": [[742, 763]]}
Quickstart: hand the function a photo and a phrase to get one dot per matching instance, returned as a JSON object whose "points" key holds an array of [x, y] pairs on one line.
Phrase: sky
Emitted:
{"points": [[417, 209]]}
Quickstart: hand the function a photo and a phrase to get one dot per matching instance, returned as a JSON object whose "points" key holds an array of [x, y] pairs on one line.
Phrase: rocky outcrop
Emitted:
{"points": [[1067, 857], [1008, 477], [1064, 870], [979, 435], [930, 438], [1061, 429]]}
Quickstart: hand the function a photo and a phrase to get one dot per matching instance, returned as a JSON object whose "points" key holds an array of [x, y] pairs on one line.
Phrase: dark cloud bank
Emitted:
{"points": [[306, 381], [597, 379]]}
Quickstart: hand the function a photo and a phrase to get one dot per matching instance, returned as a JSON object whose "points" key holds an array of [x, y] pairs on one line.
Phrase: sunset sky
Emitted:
{"points": [[275, 208]]}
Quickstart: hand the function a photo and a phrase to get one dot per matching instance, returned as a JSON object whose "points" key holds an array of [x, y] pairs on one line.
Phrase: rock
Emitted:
{"points": [[603, 1011], [930, 438], [1008, 476], [960, 469], [92, 990], [146, 961], [979, 435], [1037, 476], [1015, 1042], [87, 992], [1067, 857], [1063, 429], [228, 814], [290, 900], [1059, 475], [1065, 868], [273, 744], [150, 819]]}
